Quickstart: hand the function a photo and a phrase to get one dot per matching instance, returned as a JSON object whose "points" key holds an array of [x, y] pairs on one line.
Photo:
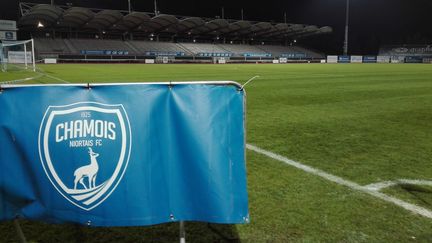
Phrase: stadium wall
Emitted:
{"points": [[407, 53], [379, 59]]}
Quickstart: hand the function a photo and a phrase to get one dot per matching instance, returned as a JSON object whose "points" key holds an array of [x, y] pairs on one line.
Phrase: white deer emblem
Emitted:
{"points": [[90, 171]]}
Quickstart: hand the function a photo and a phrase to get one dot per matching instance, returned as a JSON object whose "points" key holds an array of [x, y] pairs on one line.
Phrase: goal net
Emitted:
{"points": [[17, 56]]}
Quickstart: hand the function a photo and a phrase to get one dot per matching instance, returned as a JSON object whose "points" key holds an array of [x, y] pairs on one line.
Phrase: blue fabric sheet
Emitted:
{"points": [[123, 155]]}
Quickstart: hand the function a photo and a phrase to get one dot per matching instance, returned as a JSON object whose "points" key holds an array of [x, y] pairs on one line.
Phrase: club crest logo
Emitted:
{"points": [[84, 149]]}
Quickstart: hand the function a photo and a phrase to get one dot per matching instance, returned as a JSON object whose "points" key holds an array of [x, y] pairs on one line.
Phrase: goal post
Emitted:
{"points": [[17, 55]]}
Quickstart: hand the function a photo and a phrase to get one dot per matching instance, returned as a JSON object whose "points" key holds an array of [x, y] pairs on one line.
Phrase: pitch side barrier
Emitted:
{"points": [[123, 154], [166, 59], [181, 61], [378, 59]]}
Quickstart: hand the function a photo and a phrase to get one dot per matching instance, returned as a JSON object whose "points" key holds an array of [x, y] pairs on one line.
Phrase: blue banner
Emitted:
{"points": [[165, 53], [123, 155], [214, 54], [294, 55], [104, 52], [414, 59], [257, 54], [369, 59], [344, 59]]}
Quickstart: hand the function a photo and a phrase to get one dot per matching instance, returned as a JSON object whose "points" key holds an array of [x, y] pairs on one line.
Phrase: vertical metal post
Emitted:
{"points": [[285, 21], [19, 231], [223, 13], [130, 11], [345, 48], [25, 55], [182, 232], [52, 2], [33, 55], [242, 17], [155, 8]]}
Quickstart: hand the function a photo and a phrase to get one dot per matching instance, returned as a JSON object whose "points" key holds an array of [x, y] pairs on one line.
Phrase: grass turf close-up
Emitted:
{"points": [[351, 126]]}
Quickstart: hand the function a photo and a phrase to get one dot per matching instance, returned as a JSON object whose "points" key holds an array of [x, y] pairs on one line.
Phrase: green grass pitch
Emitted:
{"points": [[365, 123]]}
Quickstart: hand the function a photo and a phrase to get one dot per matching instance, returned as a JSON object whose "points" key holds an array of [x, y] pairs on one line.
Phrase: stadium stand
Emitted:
{"points": [[48, 46], [153, 46], [94, 44], [52, 46], [407, 53], [197, 48], [276, 50], [73, 19], [71, 32], [290, 51], [406, 50], [240, 50]]}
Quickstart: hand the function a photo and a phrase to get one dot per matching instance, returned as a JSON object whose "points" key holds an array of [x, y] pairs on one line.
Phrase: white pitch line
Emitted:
{"points": [[408, 206], [40, 74], [58, 79], [41, 71], [381, 185], [21, 80]]}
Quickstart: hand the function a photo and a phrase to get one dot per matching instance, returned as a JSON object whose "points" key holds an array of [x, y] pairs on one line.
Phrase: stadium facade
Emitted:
{"points": [[408, 53], [72, 33]]}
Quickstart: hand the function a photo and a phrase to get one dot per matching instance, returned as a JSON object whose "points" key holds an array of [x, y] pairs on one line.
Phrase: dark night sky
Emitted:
{"points": [[373, 22]]}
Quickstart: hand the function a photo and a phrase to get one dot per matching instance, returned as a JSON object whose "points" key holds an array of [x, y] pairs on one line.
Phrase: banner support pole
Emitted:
{"points": [[25, 56], [250, 80], [19, 231], [33, 55], [182, 232]]}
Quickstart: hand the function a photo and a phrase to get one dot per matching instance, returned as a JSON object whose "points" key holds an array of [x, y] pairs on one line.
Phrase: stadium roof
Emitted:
{"points": [[69, 18]]}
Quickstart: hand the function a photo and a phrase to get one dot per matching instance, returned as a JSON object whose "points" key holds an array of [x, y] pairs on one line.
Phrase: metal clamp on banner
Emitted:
{"points": [[170, 85], [1, 89], [88, 86]]}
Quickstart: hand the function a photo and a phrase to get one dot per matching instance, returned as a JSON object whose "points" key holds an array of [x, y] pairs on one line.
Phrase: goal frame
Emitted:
{"points": [[28, 63]]}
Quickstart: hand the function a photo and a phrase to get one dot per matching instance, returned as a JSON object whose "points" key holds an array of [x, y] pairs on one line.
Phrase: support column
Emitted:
{"points": [[182, 232], [19, 231]]}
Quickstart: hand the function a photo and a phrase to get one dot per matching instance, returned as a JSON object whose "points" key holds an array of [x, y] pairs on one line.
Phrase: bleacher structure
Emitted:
{"points": [[81, 33], [407, 53], [47, 47]]}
